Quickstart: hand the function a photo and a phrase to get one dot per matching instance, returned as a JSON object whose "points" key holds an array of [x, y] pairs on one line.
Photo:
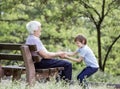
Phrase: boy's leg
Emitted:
{"points": [[88, 71], [51, 63]]}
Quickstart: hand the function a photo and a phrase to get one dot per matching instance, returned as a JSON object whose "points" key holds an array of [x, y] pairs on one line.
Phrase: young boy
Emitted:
{"points": [[85, 54]]}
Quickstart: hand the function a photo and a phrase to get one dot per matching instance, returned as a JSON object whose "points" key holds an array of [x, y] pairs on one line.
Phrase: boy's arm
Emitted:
{"points": [[71, 53], [74, 59]]}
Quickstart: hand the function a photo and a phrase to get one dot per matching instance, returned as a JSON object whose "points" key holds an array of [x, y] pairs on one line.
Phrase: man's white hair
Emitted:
{"points": [[32, 26]]}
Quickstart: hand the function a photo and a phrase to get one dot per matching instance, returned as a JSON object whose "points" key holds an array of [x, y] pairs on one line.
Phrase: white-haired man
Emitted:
{"points": [[48, 58]]}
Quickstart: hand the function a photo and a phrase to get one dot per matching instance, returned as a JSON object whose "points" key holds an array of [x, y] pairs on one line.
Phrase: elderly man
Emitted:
{"points": [[48, 58]]}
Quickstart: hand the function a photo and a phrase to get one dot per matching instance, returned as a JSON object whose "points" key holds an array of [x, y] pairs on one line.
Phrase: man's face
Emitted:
{"points": [[38, 32]]}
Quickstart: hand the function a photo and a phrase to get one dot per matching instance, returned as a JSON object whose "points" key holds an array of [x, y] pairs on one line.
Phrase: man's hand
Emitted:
{"points": [[62, 54]]}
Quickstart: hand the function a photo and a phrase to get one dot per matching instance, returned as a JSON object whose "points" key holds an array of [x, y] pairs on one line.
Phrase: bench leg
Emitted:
{"points": [[1, 73], [42, 77], [16, 74], [54, 75]]}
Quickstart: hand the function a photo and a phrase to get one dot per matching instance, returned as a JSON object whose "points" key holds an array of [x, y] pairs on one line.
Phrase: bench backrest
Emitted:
{"points": [[11, 51], [7, 48]]}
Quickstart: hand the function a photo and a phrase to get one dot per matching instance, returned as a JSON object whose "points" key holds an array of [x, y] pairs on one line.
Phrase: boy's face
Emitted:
{"points": [[79, 44]]}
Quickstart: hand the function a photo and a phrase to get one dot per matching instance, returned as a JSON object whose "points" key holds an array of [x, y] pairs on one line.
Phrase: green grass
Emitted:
{"points": [[100, 77], [7, 84]]}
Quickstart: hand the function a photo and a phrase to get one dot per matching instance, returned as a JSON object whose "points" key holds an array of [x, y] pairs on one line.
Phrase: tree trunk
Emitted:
{"points": [[99, 47]]}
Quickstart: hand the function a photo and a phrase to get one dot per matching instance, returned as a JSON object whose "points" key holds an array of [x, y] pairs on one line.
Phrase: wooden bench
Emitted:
{"points": [[24, 55]]}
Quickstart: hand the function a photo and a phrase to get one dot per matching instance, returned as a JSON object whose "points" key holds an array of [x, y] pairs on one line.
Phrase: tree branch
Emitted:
{"points": [[109, 7], [109, 50], [88, 6]]}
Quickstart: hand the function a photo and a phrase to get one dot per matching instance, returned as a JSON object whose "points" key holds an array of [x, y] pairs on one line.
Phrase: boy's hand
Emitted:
{"points": [[66, 56], [62, 55]]}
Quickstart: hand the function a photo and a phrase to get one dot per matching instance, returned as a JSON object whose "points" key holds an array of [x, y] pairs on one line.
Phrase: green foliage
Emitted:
{"points": [[12, 32]]}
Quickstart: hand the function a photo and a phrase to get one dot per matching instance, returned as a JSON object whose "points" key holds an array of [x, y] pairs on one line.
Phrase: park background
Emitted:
{"points": [[62, 20]]}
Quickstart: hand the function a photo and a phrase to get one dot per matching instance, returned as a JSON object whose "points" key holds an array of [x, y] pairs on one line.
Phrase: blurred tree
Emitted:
{"points": [[96, 11]]}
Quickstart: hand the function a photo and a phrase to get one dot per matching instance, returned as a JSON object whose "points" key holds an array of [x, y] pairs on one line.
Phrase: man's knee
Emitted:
{"points": [[68, 64]]}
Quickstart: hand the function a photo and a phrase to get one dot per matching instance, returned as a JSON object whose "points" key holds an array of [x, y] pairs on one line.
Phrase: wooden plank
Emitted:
{"points": [[36, 57], [42, 70], [13, 46], [60, 68], [19, 57], [9, 46], [32, 48], [13, 67], [30, 69], [4, 56], [15, 71]]}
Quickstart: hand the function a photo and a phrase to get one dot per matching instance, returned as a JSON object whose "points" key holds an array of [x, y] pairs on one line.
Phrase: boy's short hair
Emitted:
{"points": [[32, 26], [81, 39]]}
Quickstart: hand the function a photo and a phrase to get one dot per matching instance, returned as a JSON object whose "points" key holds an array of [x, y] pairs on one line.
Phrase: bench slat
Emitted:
{"points": [[13, 46], [13, 67], [9, 46], [18, 57], [11, 57]]}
